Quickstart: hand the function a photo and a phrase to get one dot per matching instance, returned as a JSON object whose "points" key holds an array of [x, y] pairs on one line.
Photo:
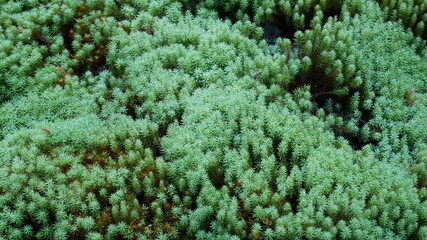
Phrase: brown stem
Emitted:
{"points": [[255, 84]]}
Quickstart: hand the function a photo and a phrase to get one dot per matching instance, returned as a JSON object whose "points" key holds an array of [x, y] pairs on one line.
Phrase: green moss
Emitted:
{"points": [[145, 119]]}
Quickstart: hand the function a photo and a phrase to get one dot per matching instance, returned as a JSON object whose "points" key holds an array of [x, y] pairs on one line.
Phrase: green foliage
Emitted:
{"points": [[166, 119], [291, 13], [48, 105], [397, 77], [413, 14]]}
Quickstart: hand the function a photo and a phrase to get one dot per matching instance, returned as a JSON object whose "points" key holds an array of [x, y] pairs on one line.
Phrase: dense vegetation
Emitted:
{"points": [[185, 119]]}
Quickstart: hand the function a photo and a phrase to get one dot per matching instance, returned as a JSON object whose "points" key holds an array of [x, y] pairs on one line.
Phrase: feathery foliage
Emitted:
{"points": [[167, 119]]}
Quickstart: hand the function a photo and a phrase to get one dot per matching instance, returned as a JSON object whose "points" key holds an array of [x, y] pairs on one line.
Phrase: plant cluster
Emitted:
{"points": [[167, 119]]}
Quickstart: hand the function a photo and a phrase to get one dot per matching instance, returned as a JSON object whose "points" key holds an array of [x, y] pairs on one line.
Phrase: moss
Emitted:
{"points": [[140, 119]]}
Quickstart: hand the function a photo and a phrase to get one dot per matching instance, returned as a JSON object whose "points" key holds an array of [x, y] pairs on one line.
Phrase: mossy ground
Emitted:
{"points": [[167, 119]]}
